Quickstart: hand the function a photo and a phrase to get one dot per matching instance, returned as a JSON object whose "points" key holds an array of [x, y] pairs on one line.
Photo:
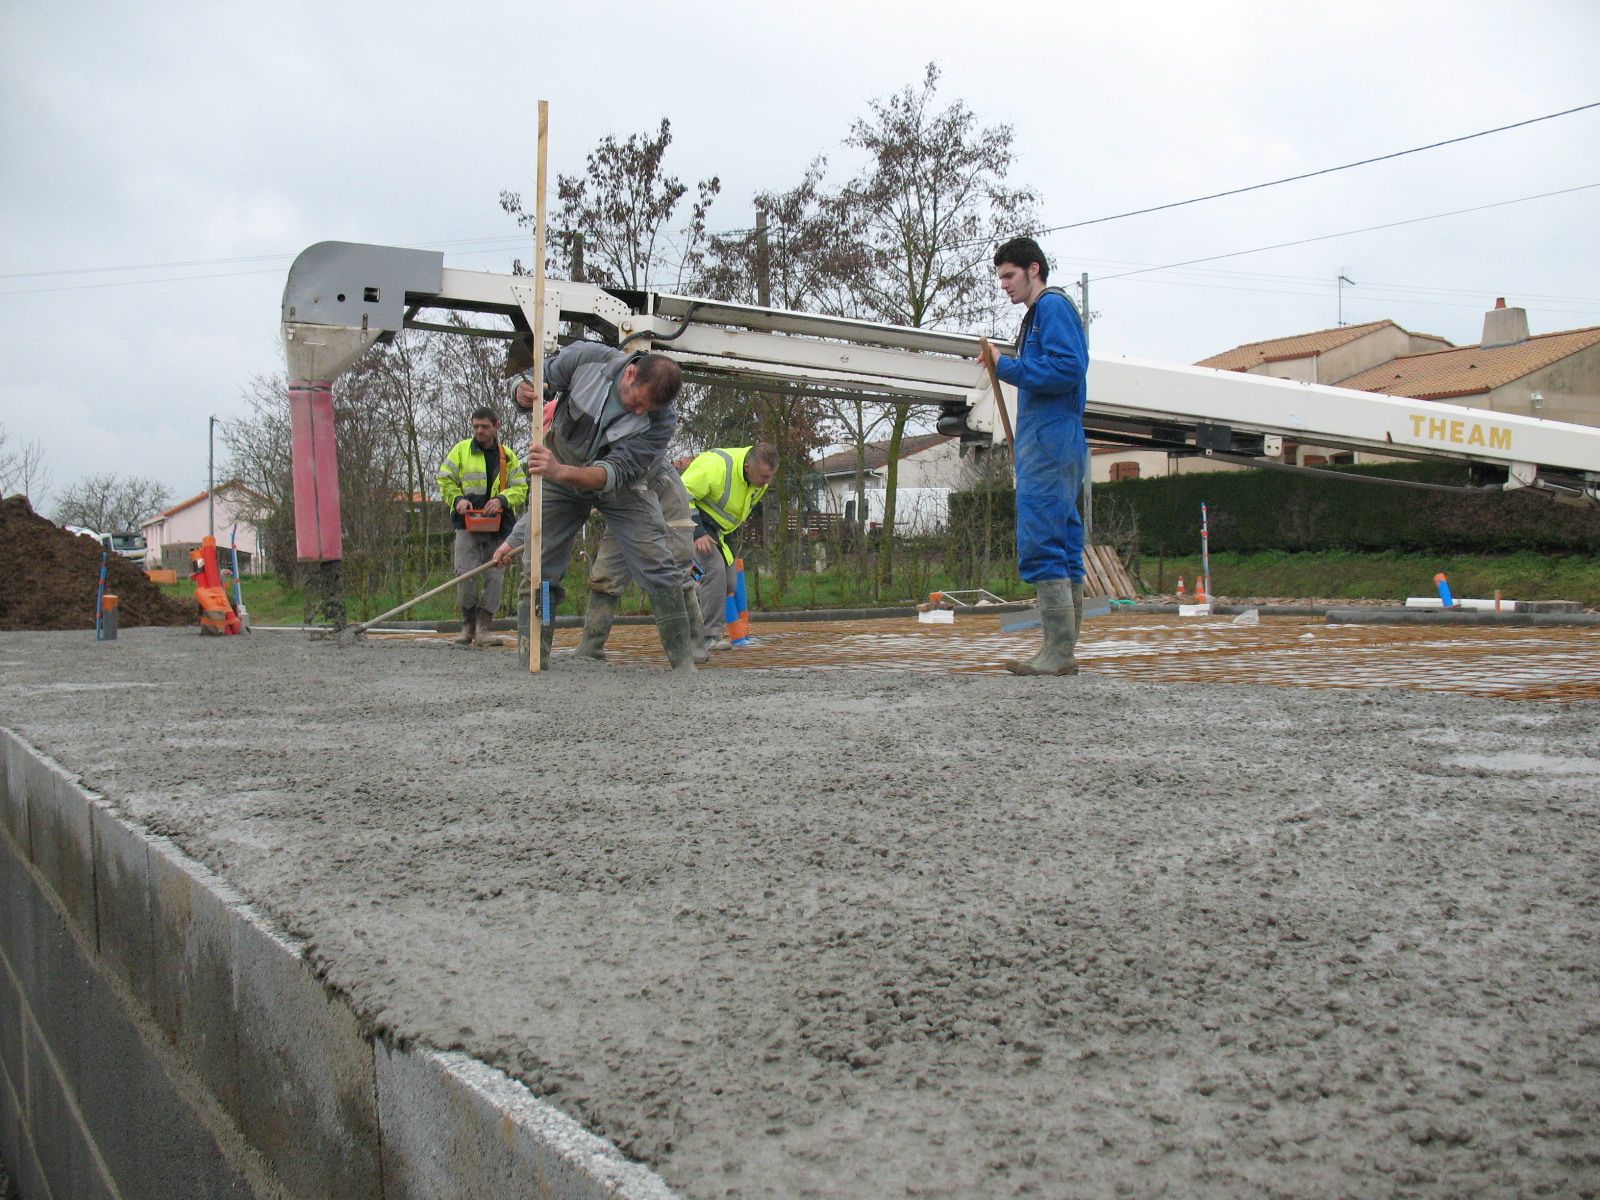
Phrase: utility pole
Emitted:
{"points": [[1086, 488], [763, 262], [211, 476], [1339, 283], [577, 257]]}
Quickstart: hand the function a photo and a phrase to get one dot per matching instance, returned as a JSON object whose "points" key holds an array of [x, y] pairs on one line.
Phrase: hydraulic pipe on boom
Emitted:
{"points": [[341, 297]]}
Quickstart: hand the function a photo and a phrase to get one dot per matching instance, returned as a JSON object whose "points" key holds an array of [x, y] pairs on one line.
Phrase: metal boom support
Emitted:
{"points": [[341, 297]]}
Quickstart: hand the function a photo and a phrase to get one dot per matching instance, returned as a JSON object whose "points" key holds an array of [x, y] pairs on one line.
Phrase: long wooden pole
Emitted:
{"points": [[351, 631], [999, 396], [535, 558]]}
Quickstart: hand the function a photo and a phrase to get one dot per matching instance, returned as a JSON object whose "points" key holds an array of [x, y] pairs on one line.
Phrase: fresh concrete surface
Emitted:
{"points": [[874, 934], [166, 1041]]}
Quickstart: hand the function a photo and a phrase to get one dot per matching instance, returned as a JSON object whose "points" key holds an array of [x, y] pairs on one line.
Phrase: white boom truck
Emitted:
{"points": [[342, 297]]}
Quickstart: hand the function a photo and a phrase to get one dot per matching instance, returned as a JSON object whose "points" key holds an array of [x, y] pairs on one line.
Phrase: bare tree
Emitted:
{"points": [[372, 474], [622, 207], [109, 502], [22, 471], [403, 386], [934, 200], [260, 455], [803, 255]]}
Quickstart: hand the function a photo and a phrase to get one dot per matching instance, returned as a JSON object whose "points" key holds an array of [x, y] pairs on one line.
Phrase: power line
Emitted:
{"points": [[114, 283], [1347, 233], [159, 266], [1255, 187], [501, 244], [1367, 295], [1500, 289], [495, 243], [439, 243]]}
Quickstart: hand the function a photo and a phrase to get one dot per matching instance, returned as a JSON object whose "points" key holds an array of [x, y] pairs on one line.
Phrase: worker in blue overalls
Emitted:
{"points": [[1048, 372]]}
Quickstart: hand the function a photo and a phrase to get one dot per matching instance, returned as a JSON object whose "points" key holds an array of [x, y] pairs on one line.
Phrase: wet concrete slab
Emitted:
{"points": [[930, 930]]}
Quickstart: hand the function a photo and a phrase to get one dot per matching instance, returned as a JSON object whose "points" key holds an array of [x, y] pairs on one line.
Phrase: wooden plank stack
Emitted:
{"points": [[1104, 573]]}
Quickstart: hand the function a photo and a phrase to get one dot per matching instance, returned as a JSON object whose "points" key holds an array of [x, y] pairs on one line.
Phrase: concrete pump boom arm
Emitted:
{"points": [[341, 297]]}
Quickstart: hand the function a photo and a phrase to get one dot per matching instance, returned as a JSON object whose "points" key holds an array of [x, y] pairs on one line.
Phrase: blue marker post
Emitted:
{"points": [[238, 586], [100, 598], [741, 636], [1443, 585]]}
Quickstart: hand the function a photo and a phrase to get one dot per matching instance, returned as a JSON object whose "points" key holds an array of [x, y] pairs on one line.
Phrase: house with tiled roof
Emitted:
{"points": [[1326, 355], [931, 467], [171, 536], [1321, 356], [1551, 375]]}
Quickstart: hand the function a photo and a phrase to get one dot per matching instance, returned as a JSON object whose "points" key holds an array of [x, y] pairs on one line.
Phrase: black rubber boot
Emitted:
{"points": [[1059, 616], [672, 624], [547, 634], [597, 621], [697, 627]]}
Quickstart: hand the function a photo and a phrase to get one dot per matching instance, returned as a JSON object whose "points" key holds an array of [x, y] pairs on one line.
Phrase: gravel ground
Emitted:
{"points": [[882, 934]]}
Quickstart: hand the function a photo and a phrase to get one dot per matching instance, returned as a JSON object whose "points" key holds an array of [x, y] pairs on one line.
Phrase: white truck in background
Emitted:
{"points": [[129, 543]]}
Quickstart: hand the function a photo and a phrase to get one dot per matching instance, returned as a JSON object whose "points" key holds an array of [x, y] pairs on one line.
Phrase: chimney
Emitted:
{"points": [[1504, 326]]}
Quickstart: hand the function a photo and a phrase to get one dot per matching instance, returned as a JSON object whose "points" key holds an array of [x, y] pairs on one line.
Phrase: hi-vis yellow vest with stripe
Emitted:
{"points": [[717, 487], [465, 473]]}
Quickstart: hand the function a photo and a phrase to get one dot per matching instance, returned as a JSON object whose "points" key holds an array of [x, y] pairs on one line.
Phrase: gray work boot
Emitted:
{"points": [[1077, 610], [547, 635], [672, 624], [524, 631], [485, 635], [1058, 615], [697, 630], [469, 627], [597, 621]]}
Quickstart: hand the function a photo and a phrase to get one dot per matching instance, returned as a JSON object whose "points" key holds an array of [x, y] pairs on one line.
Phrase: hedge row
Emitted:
{"points": [[1274, 510]]}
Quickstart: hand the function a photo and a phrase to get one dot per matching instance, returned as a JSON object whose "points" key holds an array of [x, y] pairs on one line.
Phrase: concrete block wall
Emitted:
{"points": [[158, 1038]]}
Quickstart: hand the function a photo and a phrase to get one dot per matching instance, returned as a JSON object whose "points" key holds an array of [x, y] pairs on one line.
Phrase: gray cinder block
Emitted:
{"points": [[307, 1096], [122, 904], [59, 838], [192, 919], [453, 1126], [13, 789]]}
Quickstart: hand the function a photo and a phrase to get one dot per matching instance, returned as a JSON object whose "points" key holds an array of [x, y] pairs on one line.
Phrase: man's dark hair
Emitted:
{"points": [[764, 454], [485, 414], [1020, 252], [660, 376]]}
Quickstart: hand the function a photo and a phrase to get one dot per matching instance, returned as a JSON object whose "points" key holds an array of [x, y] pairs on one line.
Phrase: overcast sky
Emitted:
{"points": [[161, 165]]}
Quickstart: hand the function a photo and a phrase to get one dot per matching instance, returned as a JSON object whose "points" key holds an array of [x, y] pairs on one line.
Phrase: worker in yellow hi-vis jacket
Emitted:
{"points": [[484, 485], [723, 486]]}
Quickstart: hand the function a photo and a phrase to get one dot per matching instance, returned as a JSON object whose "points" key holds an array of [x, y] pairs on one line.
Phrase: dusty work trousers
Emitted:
{"points": [[633, 517], [716, 584], [473, 550], [609, 574]]}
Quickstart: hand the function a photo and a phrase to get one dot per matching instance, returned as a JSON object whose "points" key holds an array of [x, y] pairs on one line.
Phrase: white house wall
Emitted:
{"points": [[190, 525]]}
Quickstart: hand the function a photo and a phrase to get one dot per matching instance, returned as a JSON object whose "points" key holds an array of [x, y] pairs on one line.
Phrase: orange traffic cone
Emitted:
{"points": [[1180, 587], [1200, 596]]}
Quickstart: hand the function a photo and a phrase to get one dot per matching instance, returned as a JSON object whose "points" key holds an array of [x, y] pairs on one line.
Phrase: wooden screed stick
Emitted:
{"points": [[999, 396], [535, 555]]}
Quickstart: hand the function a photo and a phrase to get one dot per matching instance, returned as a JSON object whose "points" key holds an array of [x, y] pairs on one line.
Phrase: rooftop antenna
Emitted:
{"points": [[1342, 280]]}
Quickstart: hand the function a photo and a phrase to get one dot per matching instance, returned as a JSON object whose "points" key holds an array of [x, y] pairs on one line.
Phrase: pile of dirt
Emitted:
{"points": [[49, 577]]}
